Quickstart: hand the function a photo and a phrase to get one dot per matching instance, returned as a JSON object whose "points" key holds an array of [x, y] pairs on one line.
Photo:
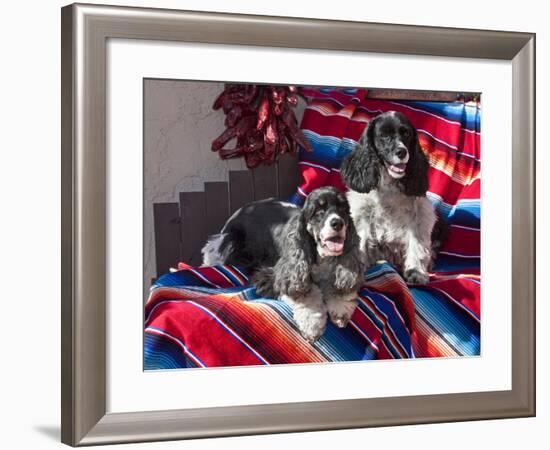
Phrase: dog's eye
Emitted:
{"points": [[318, 213], [405, 132]]}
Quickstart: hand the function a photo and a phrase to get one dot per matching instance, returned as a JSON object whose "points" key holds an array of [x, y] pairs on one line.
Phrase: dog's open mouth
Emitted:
{"points": [[396, 170], [334, 245]]}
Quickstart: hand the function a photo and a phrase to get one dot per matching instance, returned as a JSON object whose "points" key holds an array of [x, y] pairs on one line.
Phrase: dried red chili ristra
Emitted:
{"points": [[262, 120]]}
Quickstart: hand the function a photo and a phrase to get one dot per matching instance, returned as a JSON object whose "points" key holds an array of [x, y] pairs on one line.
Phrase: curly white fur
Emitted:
{"points": [[396, 228], [309, 312]]}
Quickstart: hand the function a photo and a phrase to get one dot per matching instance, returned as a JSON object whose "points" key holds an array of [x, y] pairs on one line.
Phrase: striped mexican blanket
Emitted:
{"points": [[448, 308], [210, 317]]}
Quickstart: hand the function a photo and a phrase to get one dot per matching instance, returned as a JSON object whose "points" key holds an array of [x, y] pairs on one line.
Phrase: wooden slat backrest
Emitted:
{"points": [[181, 228], [288, 176], [193, 226], [241, 189], [217, 205], [167, 235], [265, 182]]}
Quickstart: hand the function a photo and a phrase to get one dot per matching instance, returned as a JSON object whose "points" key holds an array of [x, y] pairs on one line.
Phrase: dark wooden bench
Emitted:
{"points": [[181, 228]]}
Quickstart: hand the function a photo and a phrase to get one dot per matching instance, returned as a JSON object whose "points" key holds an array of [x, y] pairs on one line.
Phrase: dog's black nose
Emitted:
{"points": [[336, 223], [401, 152]]}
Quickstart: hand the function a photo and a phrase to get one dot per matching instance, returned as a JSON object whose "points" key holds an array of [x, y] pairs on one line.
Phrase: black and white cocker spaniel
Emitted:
{"points": [[387, 177], [308, 257]]}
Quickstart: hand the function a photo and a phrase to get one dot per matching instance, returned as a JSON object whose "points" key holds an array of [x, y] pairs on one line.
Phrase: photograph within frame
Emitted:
{"points": [[199, 172]]}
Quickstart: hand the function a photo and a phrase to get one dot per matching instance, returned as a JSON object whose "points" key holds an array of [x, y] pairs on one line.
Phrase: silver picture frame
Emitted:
{"points": [[85, 31]]}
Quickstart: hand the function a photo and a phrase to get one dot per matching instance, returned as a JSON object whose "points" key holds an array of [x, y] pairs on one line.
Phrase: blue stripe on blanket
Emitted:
{"points": [[468, 115], [459, 330], [161, 353], [466, 212], [329, 150], [449, 263]]}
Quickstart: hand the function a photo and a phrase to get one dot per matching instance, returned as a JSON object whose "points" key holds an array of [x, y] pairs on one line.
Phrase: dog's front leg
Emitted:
{"points": [[340, 308], [417, 260], [310, 313], [348, 277]]}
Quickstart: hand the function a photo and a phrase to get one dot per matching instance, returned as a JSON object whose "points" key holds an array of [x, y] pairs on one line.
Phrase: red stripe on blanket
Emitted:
{"points": [[367, 326], [313, 178], [335, 125], [472, 191], [215, 276], [449, 137], [389, 333], [462, 291], [273, 337], [181, 319], [451, 191], [462, 241]]}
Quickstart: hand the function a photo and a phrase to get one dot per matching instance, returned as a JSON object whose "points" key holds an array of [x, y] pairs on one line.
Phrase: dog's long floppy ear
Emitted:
{"points": [[293, 269], [352, 238], [361, 168], [415, 181]]}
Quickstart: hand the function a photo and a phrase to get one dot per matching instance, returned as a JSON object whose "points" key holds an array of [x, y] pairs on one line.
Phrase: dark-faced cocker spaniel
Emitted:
{"points": [[308, 257]]}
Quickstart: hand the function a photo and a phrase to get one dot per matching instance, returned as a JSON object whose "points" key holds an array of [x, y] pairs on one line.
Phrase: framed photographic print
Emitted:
{"points": [[281, 224]]}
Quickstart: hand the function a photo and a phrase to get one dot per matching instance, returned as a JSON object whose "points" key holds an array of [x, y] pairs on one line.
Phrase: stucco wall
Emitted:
{"points": [[179, 126]]}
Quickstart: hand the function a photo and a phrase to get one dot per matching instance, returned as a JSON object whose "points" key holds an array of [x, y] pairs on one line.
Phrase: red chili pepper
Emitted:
{"points": [[270, 136], [292, 99], [263, 113]]}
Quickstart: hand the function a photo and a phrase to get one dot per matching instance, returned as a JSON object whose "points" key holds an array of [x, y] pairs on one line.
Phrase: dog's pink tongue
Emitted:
{"points": [[335, 246], [399, 167]]}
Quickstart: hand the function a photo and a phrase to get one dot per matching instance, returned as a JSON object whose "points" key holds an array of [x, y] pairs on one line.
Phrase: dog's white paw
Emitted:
{"points": [[415, 276], [340, 311], [311, 323], [310, 313]]}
